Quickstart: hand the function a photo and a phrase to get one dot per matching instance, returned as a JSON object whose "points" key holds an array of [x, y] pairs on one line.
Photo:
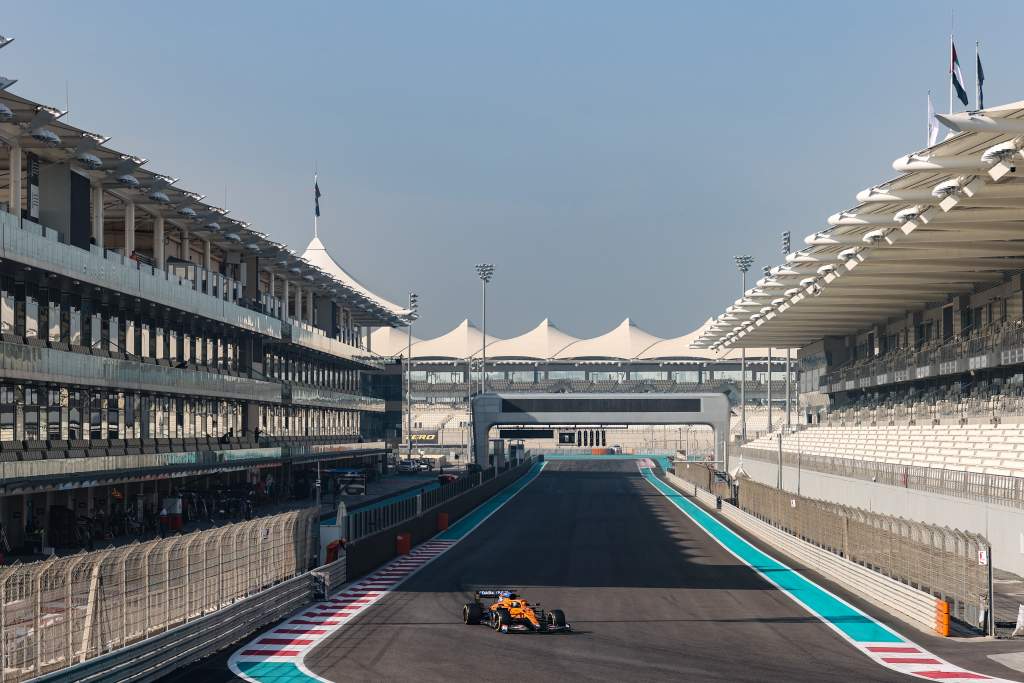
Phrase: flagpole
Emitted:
{"points": [[977, 81], [928, 123], [316, 217], [950, 66]]}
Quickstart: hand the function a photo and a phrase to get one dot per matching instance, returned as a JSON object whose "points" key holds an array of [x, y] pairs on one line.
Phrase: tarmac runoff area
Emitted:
{"points": [[650, 594]]}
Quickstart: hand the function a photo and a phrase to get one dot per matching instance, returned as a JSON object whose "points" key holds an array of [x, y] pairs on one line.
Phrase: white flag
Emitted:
{"points": [[933, 123]]}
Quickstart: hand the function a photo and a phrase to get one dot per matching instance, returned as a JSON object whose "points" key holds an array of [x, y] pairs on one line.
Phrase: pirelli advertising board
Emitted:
{"points": [[425, 438]]}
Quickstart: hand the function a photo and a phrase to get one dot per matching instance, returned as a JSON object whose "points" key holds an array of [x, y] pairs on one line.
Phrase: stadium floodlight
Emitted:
{"points": [[485, 271], [786, 243], [414, 307], [5, 41]]}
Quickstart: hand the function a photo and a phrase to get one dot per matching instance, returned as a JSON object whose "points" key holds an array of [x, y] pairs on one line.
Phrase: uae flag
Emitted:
{"points": [[955, 74], [316, 197]]}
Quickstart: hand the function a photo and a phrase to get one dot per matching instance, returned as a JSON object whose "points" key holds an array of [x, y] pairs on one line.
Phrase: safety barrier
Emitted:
{"points": [[373, 550], [915, 606], [67, 610]]}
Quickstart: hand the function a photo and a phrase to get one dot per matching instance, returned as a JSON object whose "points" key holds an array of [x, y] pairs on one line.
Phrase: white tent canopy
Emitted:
{"points": [[316, 254], [625, 341], [465, 341], [543, 341], [391, 341]]}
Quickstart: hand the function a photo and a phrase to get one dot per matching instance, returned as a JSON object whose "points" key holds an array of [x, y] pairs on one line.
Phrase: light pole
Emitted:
{"points": [[485, 271], [743, 263], [767, 274], [786, 246], [414, 306]]}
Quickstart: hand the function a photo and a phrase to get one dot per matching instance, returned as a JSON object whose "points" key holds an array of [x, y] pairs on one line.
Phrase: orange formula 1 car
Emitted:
{"points": [[505, 611]]}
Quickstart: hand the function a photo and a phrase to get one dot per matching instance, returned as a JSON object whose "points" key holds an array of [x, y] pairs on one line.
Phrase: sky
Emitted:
{"points": [[610, 158]]}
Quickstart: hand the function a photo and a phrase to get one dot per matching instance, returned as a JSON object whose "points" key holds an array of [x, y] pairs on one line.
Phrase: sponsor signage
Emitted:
{"points": [[32, 162], [424, 437], [527, 433]]}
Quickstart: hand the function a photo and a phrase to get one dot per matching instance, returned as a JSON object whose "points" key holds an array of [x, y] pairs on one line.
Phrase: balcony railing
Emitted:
{"points": [[301, 394], [313, 338], [40, 247], [41, 364]]}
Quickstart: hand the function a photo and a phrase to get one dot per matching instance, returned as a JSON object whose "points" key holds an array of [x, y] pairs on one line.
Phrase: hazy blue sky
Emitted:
{"points": [[609, 157]]}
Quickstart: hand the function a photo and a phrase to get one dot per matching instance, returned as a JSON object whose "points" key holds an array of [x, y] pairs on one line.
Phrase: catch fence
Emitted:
{"points": [[950, 564], [63, 611]]}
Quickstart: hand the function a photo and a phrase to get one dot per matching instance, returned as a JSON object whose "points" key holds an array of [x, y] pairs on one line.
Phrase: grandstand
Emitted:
{"points": [[908, 310], [152, 343]]}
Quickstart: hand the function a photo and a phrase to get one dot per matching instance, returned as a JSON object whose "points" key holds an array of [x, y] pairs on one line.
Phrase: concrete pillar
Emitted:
{"points": [[285, 313], [298, 303], [207, 258], [129, 228], [186, 249], [309, 307], [158, 241], [97, 215], [14, 194]]}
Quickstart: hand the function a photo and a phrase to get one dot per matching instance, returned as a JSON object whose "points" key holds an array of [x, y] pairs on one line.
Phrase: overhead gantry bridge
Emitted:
{"points": [[497, 409]]}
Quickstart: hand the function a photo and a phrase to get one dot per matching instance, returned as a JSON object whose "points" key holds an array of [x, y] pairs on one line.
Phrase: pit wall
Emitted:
{"points": [[369, 552]]}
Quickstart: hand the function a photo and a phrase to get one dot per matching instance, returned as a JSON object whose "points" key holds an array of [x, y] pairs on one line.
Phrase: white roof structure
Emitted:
{"points": [[627, 342], [316, 254], [391, 342], [465, 341], [543, 341], [952, 222]]}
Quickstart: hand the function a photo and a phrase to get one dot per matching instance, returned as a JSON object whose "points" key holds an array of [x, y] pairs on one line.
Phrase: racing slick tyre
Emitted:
{"points": [[502, 618], [556, 617], [471, 613]]}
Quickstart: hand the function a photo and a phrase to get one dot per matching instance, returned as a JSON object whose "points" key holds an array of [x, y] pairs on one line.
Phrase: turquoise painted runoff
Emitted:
{"points": [[853, 623], [274, 672]]}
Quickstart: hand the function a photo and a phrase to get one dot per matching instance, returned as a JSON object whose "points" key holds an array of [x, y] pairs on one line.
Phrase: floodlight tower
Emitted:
{"points": [[767, 274], [485, 271], [743, 263], [786, 249], [414, 307]]}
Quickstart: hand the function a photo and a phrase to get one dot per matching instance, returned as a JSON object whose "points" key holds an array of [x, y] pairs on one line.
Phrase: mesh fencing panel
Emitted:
{"points": [[65, 610]]}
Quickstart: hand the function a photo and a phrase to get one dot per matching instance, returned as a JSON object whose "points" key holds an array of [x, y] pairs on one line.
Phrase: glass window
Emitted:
{"points": [[6, 412], [112, 417], [53, 415], [74, 414], [31, 413], [95, 416]]}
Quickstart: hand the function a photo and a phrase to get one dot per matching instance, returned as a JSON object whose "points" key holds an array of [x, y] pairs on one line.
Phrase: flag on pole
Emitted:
{"points": [[981, 79], [933, 123], [955, 74], [316, 197]]}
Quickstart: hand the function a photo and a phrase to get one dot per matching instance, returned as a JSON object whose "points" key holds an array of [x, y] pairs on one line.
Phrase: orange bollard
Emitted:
{"points": [[942, 617], [442, 521], [403, 544]]}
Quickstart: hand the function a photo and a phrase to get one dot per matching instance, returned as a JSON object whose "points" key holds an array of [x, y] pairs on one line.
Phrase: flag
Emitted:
{"points": [[981, 82], [933, 123], [954, 73], [316, 197]]}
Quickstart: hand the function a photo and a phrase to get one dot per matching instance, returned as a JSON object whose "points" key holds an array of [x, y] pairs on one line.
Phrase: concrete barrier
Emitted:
{"points": [[917, 608]]}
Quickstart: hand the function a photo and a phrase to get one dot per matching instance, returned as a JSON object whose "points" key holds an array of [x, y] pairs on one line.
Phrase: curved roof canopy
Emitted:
{"points": [[951, 223]]}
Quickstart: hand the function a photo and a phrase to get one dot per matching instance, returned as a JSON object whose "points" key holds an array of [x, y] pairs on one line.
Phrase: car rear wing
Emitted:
{"points": [[497, 593]]}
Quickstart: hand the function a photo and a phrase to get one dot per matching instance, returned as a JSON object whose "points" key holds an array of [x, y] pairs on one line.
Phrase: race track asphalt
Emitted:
{"points": [[651, 597]]}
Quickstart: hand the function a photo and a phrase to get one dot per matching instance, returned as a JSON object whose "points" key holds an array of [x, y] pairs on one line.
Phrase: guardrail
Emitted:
{"points": [[41, 364], [1000, 489], [917, 607]]}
